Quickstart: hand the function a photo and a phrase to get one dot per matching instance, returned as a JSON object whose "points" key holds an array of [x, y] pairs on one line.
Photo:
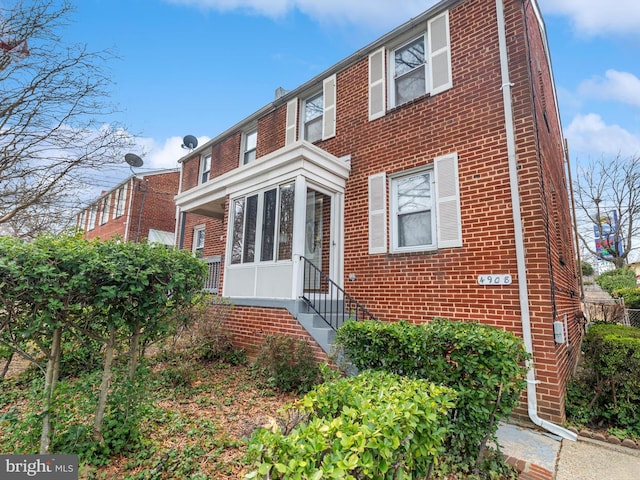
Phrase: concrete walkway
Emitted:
{"points": [[589, 459], [541, 455]]}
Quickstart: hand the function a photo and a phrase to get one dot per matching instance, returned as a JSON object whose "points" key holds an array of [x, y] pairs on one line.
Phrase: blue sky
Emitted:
{"points": [[199, 66]]}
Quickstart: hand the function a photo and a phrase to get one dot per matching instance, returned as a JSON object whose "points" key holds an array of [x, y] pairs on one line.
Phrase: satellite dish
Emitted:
{"points": [[190, 142], [133, 160]]}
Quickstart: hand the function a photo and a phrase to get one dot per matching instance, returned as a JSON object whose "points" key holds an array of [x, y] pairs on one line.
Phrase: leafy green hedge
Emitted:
{"points": [[631, 296], [618, 278], [608, 390], [483, 364], [374, 425]]}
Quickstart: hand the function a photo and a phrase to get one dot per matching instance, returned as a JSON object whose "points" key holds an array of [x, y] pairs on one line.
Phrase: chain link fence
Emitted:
{"points": [[634, 317]]}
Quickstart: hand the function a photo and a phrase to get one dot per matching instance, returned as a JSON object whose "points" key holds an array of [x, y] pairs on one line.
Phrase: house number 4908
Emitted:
{"points": [[494, 279]]}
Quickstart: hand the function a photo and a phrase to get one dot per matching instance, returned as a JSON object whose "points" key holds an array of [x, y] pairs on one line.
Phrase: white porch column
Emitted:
{"points": [[299, 219]]}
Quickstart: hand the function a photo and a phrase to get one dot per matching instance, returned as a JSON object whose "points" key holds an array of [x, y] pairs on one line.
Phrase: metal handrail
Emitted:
{"points": [[327, 299], [212, 281]]}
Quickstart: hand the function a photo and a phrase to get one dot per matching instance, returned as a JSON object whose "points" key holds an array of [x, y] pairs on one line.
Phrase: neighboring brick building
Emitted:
{"points": [[140, 208], [424, 174]]}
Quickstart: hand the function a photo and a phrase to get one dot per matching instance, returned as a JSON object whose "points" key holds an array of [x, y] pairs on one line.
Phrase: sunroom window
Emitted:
{"points": [[263, 222]]}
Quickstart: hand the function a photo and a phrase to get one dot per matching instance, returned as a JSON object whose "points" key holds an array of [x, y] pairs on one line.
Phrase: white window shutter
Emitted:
{"points": [[440, 78], [329, 115], [292, 121], [378, 213], [377, 88], [449, 224]]}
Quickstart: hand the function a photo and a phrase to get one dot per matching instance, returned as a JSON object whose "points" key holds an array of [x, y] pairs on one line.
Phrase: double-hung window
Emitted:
{"points": [[205, 168], [418, 66], [198, 241], [409, 72], [423, 210], [93, 212], [412, 216], [249, 147], [121, 196], [104, 213], [312, 117], [262, 226]]}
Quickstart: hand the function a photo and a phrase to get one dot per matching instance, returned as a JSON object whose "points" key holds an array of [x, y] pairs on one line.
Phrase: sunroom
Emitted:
{"points": [[282, 211]]}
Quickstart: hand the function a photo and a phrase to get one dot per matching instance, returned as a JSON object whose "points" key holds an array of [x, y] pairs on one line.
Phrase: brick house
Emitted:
{"points": [[424, 175], [140, 208]]}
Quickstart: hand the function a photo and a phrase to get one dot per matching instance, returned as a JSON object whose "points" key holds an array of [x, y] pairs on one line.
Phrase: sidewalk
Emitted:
{"points": [[540, 455]]}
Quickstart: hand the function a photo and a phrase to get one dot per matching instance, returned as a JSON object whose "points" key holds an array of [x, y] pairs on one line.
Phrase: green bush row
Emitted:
{"points": [[374, 425], [616, 279], [607, 393], [483, 364], [631, 296]]}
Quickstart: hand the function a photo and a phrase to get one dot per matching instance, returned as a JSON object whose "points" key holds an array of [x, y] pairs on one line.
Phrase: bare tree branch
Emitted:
{"points": [[608, 196], [53, 117]]}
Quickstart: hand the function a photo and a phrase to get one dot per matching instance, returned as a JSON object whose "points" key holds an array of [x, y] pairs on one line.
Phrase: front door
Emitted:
{"points": [[317, 235]]}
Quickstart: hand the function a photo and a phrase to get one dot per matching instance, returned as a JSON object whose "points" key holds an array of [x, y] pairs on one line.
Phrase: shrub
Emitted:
{"points": [[376, 425], [607, 392], [587, 268], [618, 278], [287, 364], [483, 364], [631, 296]]}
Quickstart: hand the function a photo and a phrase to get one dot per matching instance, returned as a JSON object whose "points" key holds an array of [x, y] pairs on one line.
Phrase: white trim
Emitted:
{"points": [[439, 53], [377, 213], [284, 164], [329, 101], [447, 200], [393, 214], [377, 86], [291, 122]]}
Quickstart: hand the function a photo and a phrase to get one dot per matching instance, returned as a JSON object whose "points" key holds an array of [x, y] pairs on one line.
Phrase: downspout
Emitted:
{"points": [[532, 398], [128, 222]]}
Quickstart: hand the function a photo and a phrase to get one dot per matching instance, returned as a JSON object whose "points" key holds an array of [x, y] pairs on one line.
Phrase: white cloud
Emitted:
{"points": [[589, 136], [376, 13], [163, 156], [620, 86], [593, 17]]}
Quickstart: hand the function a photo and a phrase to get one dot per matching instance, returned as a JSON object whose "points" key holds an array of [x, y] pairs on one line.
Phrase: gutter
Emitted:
{"points": [[532, 398]]}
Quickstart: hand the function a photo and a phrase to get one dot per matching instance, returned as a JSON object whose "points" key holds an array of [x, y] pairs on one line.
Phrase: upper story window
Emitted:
{"points": [[82, 218], [409, 73], [198, 241], [205, 168], [412, 67], [312, 117], [249, 147], [93, 212], [121, 196], [104, 214]]}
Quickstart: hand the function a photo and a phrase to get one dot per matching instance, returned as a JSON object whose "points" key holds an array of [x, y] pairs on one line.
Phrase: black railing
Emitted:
{"points": [[328, 299]]}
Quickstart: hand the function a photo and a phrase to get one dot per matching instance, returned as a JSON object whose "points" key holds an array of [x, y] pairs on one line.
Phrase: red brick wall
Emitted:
{"points": [[467, 119], [249, 326], [158, 211]]}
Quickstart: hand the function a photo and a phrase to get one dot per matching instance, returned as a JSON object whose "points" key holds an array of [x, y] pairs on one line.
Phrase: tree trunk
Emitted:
{"points": [[5, 369], [104, 386], [51, 377], [134, 347]]}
